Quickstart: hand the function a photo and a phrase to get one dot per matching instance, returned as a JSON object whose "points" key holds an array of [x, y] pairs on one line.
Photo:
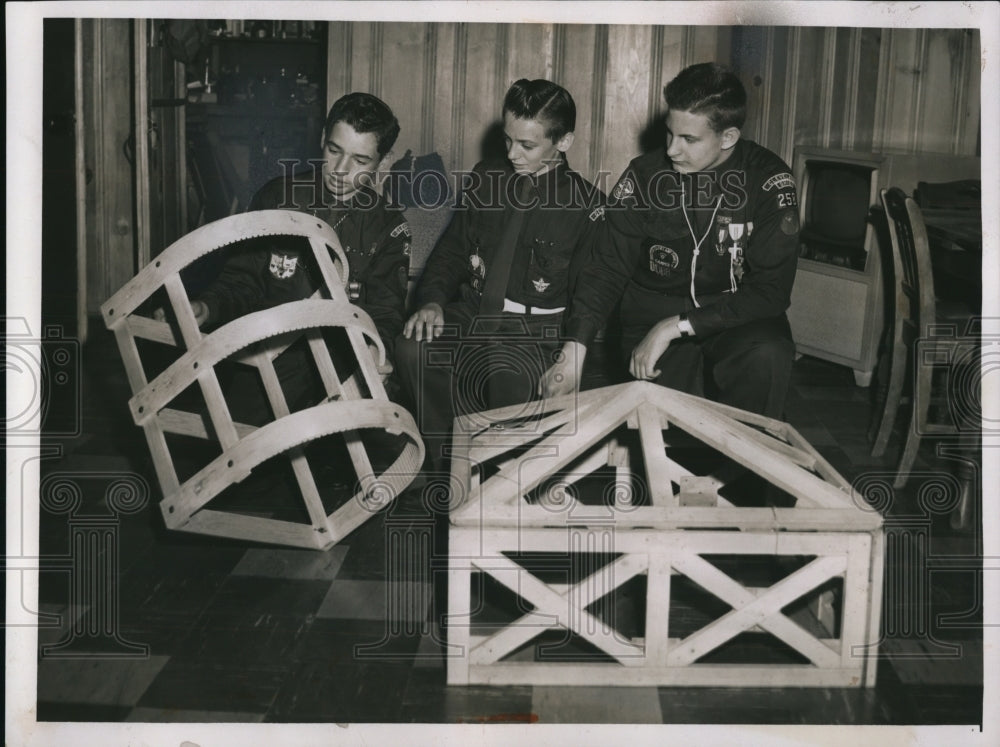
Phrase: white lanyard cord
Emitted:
{"points": [[697, 243]]}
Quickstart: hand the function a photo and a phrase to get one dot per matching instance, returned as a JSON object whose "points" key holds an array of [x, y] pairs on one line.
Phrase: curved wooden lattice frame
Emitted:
{"points": [[355, 403], [509, 500]]}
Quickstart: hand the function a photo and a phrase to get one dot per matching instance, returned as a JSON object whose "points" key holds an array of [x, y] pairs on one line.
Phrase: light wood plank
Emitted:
{"points": [[699, 675], [659, 473], [749, 609], [586, 592], [547, 601], [857, 599], [253, 528]]}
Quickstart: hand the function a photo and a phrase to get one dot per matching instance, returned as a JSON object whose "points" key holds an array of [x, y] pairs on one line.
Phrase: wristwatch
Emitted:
{"points": [[684, 326]]}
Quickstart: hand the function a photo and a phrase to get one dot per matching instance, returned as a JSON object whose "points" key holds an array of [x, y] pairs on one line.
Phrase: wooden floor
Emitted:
{"points": [[217, 630]]}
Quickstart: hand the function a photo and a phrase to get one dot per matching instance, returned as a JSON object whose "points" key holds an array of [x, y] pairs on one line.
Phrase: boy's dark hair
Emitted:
{"points": [[545, 101], [712, 90], [365, 113]]}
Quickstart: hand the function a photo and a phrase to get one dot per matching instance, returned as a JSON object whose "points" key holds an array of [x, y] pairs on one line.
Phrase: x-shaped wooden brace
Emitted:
{"points": [[565, 608], [751, 609]]}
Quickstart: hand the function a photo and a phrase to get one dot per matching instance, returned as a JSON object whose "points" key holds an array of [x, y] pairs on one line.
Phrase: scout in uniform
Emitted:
{"points": [[493, 294], [700, 247], [261, 273]]}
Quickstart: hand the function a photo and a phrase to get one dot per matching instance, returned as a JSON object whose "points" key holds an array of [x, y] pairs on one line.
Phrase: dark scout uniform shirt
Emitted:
{"points": [[554, 238], [746, 264], [268, 271]]}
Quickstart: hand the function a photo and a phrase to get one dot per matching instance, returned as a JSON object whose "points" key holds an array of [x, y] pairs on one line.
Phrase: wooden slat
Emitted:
{"points": [[658, 584], [717, 432], [749, 609], [166, 474], [659, 474], [218, 410], [857, 598], [584, 593], [300, 466], [697, 675], [695, 517], [761, 607], [549, 602], [778, 428], [150, 329], [526, 474], [207, 239], [130, 358], [822, 467], [336, 389], [461, 546], [876, 569], [254, 528], [236, 463], [192, 424], [207, 352]]}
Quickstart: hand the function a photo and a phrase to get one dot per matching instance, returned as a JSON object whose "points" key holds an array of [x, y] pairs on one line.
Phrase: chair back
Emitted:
{"points": [[911, 259]]}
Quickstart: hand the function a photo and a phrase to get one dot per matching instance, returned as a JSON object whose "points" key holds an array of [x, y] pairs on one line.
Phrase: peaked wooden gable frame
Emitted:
{"points": [[357, 402], [681, 519]]}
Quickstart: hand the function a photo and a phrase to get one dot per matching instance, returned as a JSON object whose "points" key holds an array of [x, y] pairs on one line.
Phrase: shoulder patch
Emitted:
{"points": [[781, 181], [597, 214], [624, 188], [403, 228], [790, 222]]}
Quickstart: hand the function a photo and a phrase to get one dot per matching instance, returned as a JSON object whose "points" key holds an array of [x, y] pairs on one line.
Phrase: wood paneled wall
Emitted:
{"points": [[895, 89], [107, 202], [898, 90], [446, 81]]}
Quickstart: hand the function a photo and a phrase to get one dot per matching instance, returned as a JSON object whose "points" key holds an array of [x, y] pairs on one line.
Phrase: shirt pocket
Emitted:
{"points": [[548, 269], [665, 254]]}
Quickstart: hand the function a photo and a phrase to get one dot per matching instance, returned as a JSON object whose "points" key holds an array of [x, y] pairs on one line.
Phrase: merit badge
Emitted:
{"points": [[283, 267], [662, 260], [540, 285], [623, 189], [790, 222]]}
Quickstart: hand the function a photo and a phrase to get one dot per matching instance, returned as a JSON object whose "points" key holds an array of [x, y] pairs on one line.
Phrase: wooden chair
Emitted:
{"points": [[926, 333]]}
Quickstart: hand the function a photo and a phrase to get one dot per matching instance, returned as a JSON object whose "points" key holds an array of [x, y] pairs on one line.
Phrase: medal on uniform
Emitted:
{"points": [[478, 268], [736, 250], [540, 285], [720, 245]]}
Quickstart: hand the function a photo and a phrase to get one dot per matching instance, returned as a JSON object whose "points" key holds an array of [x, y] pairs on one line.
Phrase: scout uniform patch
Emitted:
{"points": [[283, 266], [623, 189], [662, 260]]}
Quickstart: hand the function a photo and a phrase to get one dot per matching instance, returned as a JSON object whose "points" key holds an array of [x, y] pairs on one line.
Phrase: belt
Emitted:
{"points": [[520, 308]]}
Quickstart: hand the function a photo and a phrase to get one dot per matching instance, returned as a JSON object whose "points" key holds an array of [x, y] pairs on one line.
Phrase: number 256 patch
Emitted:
{"points": [[787, 199]]}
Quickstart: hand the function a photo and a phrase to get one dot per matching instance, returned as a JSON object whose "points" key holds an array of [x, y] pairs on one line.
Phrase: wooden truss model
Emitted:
{"points": [[355, 403], [523, 528]]}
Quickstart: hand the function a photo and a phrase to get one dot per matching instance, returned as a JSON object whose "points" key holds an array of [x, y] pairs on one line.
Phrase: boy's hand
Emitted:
{"points": [[427, 322], [563, 377], [384, 369], [199, 308], [653, 345]]}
